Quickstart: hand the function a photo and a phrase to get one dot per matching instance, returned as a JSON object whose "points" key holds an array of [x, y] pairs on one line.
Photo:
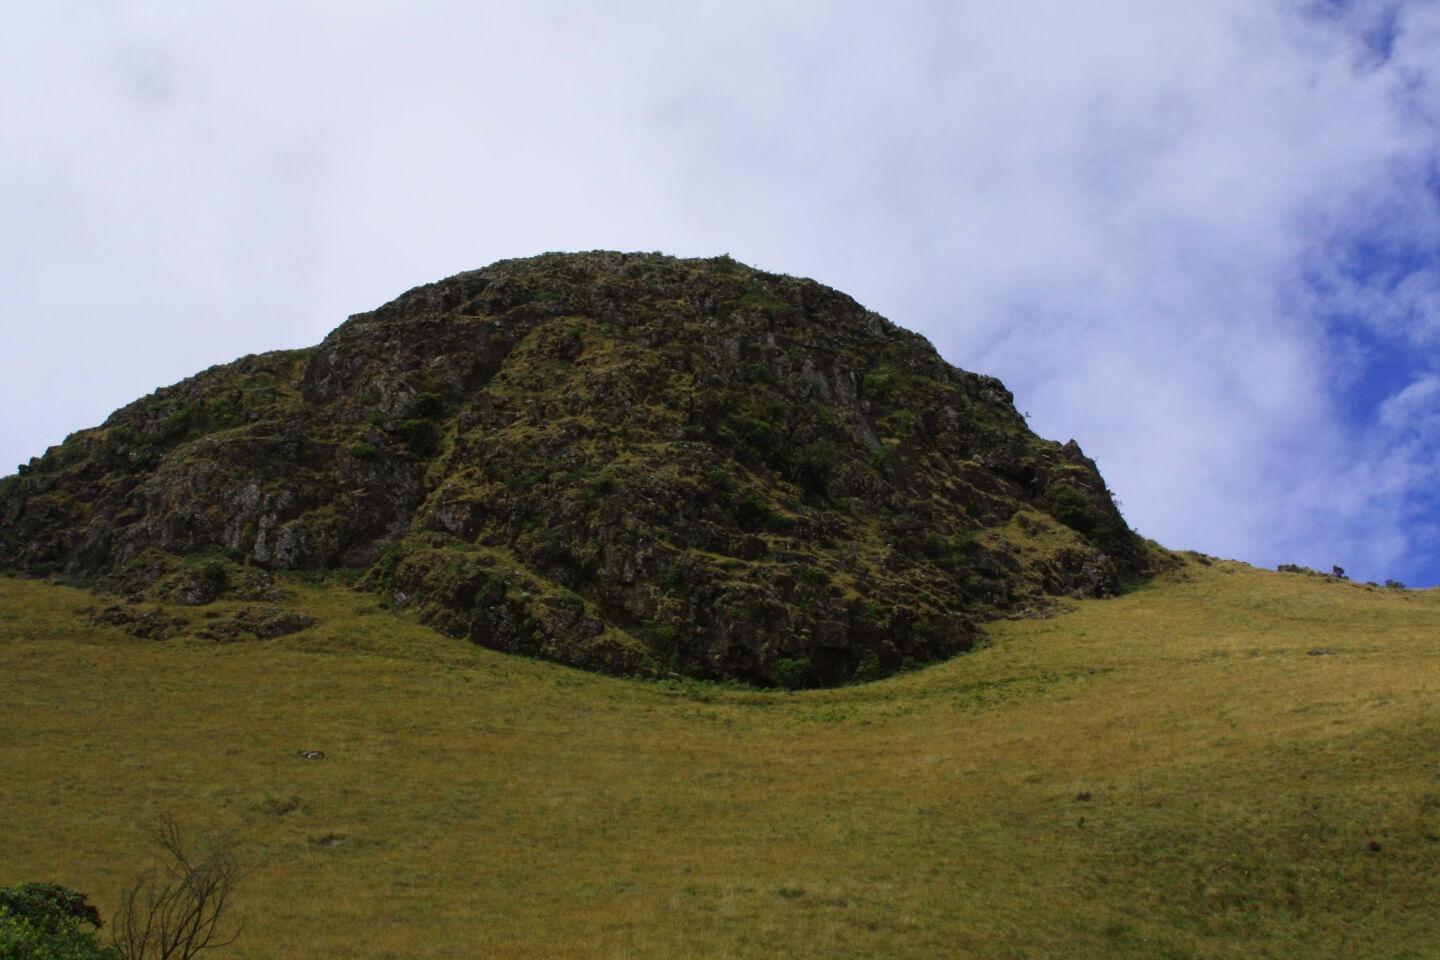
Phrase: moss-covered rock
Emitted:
{"points": [[626, 462]]}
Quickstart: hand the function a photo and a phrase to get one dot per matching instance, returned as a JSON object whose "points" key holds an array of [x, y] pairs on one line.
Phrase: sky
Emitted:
{"points": [[1201, 239]]}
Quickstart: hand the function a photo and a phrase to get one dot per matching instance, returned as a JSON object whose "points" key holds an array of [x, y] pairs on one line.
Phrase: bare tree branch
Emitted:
{"points": [[184, 908]]}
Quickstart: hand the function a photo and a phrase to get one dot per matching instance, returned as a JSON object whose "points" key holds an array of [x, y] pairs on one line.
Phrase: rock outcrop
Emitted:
{"points": [[625, 462]]}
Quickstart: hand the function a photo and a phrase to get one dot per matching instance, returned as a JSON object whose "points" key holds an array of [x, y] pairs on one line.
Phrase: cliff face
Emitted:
{"points": [[625, 462]]}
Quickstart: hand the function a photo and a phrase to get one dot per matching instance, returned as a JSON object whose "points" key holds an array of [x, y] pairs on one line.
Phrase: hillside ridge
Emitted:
{"points": [[630, 463]]}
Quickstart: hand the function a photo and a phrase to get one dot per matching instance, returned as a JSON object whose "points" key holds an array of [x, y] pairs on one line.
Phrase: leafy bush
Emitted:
{"points": [[421, 437], [391, 554], [1080, 513], [815, 462], [212, 575], [48, 906], [660, 637], [43, 921], [901, 421], [779, 523], [754, 513], [36, 567], [222, 412], [757, 372], [878, 383], [363, 451], [757, 297], [792, 673], [882, 458], [658, 633], [759, 437], [867, 670], [176, 425]]}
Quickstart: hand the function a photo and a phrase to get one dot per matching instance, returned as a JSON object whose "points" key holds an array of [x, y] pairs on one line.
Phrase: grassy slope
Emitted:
{"points": [[500, 807]]}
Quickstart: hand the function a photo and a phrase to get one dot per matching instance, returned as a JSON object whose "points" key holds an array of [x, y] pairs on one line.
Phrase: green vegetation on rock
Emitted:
{"points": [[536, 455]]}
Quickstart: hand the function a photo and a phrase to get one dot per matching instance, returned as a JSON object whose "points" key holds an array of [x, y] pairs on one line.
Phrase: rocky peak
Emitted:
{"points": [[626, 462]]}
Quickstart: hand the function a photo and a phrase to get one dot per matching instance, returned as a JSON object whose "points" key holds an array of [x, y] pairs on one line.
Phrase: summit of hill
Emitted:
{"points": [[629, 463]]}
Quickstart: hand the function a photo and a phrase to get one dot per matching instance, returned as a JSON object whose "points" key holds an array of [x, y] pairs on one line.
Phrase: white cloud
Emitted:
{"points": [[1142, 216]]}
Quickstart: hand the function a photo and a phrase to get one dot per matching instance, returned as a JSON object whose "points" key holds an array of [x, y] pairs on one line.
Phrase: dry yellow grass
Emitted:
{"points": [[471, 804]]}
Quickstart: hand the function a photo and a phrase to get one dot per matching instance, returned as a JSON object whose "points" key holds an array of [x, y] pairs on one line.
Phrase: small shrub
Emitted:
{"points": [[760, 437], [658, 632], [43, 921], [363, 451], [757, 297], [429, 405], [816, 461], [792, 673], [176, 425], [36, 567], [879, 383], [779, 523], [48, 905], [492, 594], [1080, 513], [900, 421], [526, 479], [421, 437], [757, 372], [598, 488], [212, 575], [221, 412], [866, 670], [390, 556], [660, 638], [755, 511]]}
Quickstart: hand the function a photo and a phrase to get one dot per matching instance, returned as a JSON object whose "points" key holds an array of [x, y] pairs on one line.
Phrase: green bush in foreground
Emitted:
{"points": [[43, 921], [181, 909]]}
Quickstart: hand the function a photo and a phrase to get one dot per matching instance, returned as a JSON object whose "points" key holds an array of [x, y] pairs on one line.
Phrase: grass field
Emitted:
{"points": [[1168, 774]]}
